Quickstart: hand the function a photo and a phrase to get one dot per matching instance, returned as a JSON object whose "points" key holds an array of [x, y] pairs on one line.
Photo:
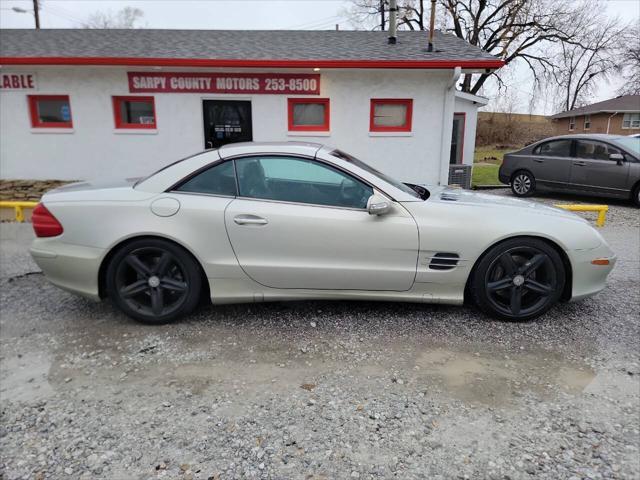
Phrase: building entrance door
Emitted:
{"points": [[226, 121]]}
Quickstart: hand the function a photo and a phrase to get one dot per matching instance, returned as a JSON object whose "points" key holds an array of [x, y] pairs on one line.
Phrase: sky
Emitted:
{"points": [[266, 14]]}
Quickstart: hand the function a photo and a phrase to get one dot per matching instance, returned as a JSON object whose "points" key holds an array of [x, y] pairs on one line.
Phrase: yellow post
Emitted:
{"points": [[18, 207], [601, 209]]}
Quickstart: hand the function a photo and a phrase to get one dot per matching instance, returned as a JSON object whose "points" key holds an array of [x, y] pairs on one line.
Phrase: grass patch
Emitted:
{"points": [[490, 154], [485, 175]]}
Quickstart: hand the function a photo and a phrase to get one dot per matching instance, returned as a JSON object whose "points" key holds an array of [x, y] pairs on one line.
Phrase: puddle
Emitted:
{"points": [[497, 378]]}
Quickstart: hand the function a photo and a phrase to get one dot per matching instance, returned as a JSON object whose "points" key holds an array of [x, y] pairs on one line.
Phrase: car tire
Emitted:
{"points": [[154, 281], [518, 279], [523, 184], [635, 196]]}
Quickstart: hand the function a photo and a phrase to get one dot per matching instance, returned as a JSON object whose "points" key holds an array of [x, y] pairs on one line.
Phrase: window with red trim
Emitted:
{"points": [[134, 112], [50, 111], [308, 114], [390, 115]]}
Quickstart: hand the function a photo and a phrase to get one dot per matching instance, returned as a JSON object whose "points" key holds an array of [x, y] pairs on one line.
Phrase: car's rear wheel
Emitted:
{"points": [[153, 281], [518, 279], [523, 184]]}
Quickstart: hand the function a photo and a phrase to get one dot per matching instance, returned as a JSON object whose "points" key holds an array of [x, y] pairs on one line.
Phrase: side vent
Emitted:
{"points": [[444, 261]]}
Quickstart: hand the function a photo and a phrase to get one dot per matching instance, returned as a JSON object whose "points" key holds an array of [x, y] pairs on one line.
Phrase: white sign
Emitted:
{"points": [[11, 81]]}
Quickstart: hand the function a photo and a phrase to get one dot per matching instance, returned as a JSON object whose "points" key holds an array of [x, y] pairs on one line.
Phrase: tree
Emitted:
{"points": [[631, 68], [577, 67], [524, 31], [124, 18]]}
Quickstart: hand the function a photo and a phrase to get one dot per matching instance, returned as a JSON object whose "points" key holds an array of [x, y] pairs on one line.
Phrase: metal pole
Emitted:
{"points": [[432, 23], [382, 19], [393, 21], [36, 13]]}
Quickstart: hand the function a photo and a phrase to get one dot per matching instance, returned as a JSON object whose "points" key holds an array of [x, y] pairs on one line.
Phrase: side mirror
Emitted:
{"points": [[617, 157], [377, 205]]}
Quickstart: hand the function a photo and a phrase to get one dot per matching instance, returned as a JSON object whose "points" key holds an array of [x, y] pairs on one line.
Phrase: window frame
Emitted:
{"points": [[587, 122], [577, 141], [408, 120], [630, 116], [178, 185], [35, 118], [572, 123], [117, 100], [308, 159], [326, 124], [537, 149]]}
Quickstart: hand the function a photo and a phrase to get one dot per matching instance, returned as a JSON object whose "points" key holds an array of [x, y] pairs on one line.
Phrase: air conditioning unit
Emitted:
{"points": [[460, 175]]}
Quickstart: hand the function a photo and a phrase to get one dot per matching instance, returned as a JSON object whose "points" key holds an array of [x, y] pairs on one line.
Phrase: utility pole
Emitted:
{"points": [[36, 13]]}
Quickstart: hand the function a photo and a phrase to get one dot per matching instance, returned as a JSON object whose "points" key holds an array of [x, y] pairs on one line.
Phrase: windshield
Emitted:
{"points": [[391, 181], [632, 144]]}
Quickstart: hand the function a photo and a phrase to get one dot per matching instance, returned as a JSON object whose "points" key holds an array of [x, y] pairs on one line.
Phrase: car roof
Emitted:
{"points": [[595, 136], [243, 148]]}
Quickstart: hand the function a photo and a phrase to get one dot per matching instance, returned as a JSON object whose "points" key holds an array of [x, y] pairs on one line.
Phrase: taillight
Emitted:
{"points": [[44, 223]]}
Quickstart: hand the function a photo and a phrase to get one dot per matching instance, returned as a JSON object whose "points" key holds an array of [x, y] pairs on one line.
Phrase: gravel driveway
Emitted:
{"points": [[319, 390]]}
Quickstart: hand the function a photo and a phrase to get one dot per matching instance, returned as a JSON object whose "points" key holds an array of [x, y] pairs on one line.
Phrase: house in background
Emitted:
{"points": [[616, 116], [81, 104]]}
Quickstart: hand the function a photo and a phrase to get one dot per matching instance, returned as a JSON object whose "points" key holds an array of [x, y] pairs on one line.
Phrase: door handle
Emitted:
{"points": [[580, 164], [250, 220], [538, 160]]}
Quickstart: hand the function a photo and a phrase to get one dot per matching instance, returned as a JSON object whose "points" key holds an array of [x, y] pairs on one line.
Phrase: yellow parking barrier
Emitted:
{"points": [[18, 207], [601, 209]]}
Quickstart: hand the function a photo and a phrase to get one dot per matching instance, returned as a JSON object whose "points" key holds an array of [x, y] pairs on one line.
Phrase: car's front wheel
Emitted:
{"points": [[635, 196], [518, 279], [153, 280], [523, 184]]}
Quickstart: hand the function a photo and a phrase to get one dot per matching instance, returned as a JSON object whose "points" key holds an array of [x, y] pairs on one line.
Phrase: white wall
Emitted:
{"points": [[94, 149], [471, 120]]}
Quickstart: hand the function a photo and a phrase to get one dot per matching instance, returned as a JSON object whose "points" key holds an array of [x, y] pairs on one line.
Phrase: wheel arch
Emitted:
{"points": [[568, 284], [102, 271]]}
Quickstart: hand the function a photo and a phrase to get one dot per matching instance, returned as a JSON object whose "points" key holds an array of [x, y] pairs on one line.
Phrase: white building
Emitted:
{"points": [[79, 104]]}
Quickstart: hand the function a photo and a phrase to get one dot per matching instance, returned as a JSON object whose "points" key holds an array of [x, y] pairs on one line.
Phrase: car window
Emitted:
{"points": [[299, 180], [217, 180], [556, 148], [594, 150]]}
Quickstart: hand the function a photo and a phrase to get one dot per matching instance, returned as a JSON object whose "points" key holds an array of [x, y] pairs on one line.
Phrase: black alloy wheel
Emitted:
{"points": [[154, 281], [519, 279], [523, 184]]}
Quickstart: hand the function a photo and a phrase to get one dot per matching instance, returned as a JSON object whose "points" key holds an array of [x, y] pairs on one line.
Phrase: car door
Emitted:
{"points": [[551, 163], [593, 170], [300, 223]]}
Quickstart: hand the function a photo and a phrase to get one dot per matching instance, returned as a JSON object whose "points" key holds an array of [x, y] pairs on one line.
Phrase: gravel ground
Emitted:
{"points": [[319, 390]]}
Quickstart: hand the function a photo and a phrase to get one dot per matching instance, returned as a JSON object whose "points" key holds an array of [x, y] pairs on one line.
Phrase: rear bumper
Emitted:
{"points": [[503, 176], [71, 267], [589, 279]]}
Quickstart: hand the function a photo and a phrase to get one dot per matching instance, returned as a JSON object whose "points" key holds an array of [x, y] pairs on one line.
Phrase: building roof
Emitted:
{"points": [[624, 103], [239, 48]]}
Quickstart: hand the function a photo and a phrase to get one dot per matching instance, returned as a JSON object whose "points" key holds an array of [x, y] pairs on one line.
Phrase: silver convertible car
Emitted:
{"points": [[259, 222]]}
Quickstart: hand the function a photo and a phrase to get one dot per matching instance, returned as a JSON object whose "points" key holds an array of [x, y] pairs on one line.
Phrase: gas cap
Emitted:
{"points": [[165, 207]]}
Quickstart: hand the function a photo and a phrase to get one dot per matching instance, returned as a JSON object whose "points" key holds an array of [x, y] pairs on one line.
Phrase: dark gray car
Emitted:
{"points": [[604, 165]]}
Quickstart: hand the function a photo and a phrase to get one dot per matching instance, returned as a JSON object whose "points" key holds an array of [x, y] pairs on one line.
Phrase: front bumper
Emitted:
{"points": [[589, 279], [71, 267]]}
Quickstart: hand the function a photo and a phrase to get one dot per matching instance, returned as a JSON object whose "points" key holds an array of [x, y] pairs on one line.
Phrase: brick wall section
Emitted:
{"points": [[27, 190], [598, 125]]}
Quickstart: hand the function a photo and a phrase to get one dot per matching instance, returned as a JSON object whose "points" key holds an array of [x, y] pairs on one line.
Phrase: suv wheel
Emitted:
{"points": [[523, 184]]}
